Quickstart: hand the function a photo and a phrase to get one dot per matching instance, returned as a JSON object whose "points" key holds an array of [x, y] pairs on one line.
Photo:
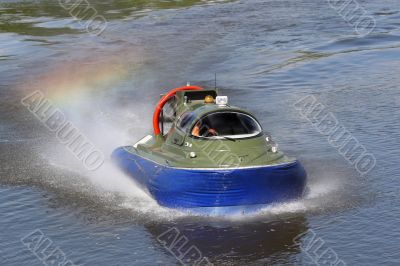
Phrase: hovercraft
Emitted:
{"points": [[213, 156]]}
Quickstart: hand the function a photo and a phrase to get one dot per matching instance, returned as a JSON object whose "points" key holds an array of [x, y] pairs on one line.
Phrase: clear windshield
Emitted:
{"points": [[226, 124], [186, 120]]}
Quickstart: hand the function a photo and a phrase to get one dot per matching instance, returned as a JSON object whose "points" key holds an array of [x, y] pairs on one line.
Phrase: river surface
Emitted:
{"points": [[268, 55]]}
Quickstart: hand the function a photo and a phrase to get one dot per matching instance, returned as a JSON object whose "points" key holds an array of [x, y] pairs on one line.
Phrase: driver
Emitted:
{"points": [[196, 130], [209, 132]]}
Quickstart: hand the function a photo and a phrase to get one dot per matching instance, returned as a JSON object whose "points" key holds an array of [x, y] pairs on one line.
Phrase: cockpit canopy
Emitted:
{"points": [[232, 124]]}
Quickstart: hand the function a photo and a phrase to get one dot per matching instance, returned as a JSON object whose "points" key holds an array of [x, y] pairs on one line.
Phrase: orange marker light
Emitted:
{"points": [[209, 99]]}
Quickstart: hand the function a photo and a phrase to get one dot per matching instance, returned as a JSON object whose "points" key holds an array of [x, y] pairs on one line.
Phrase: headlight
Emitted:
{"points": [[274, 148]]}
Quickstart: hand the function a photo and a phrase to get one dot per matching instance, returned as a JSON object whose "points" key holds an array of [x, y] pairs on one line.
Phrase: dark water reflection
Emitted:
{"points": [[237, 242], [50, 18]]}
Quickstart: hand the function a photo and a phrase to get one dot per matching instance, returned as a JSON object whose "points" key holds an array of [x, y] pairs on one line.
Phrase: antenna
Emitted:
{"points": [[215, 80]]}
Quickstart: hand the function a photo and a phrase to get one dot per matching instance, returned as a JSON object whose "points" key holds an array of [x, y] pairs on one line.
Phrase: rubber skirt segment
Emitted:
{"points": [[193, 188]]}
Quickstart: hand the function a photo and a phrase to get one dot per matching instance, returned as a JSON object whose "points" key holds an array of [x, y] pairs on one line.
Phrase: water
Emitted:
{"points": [[267, 56]]}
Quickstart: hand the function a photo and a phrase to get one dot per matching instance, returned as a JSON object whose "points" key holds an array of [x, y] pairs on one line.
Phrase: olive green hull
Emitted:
{"points": [[216, 153]]}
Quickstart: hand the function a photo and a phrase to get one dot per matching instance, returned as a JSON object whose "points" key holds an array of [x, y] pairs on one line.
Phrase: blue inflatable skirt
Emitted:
{"points": [[208, 190]]}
